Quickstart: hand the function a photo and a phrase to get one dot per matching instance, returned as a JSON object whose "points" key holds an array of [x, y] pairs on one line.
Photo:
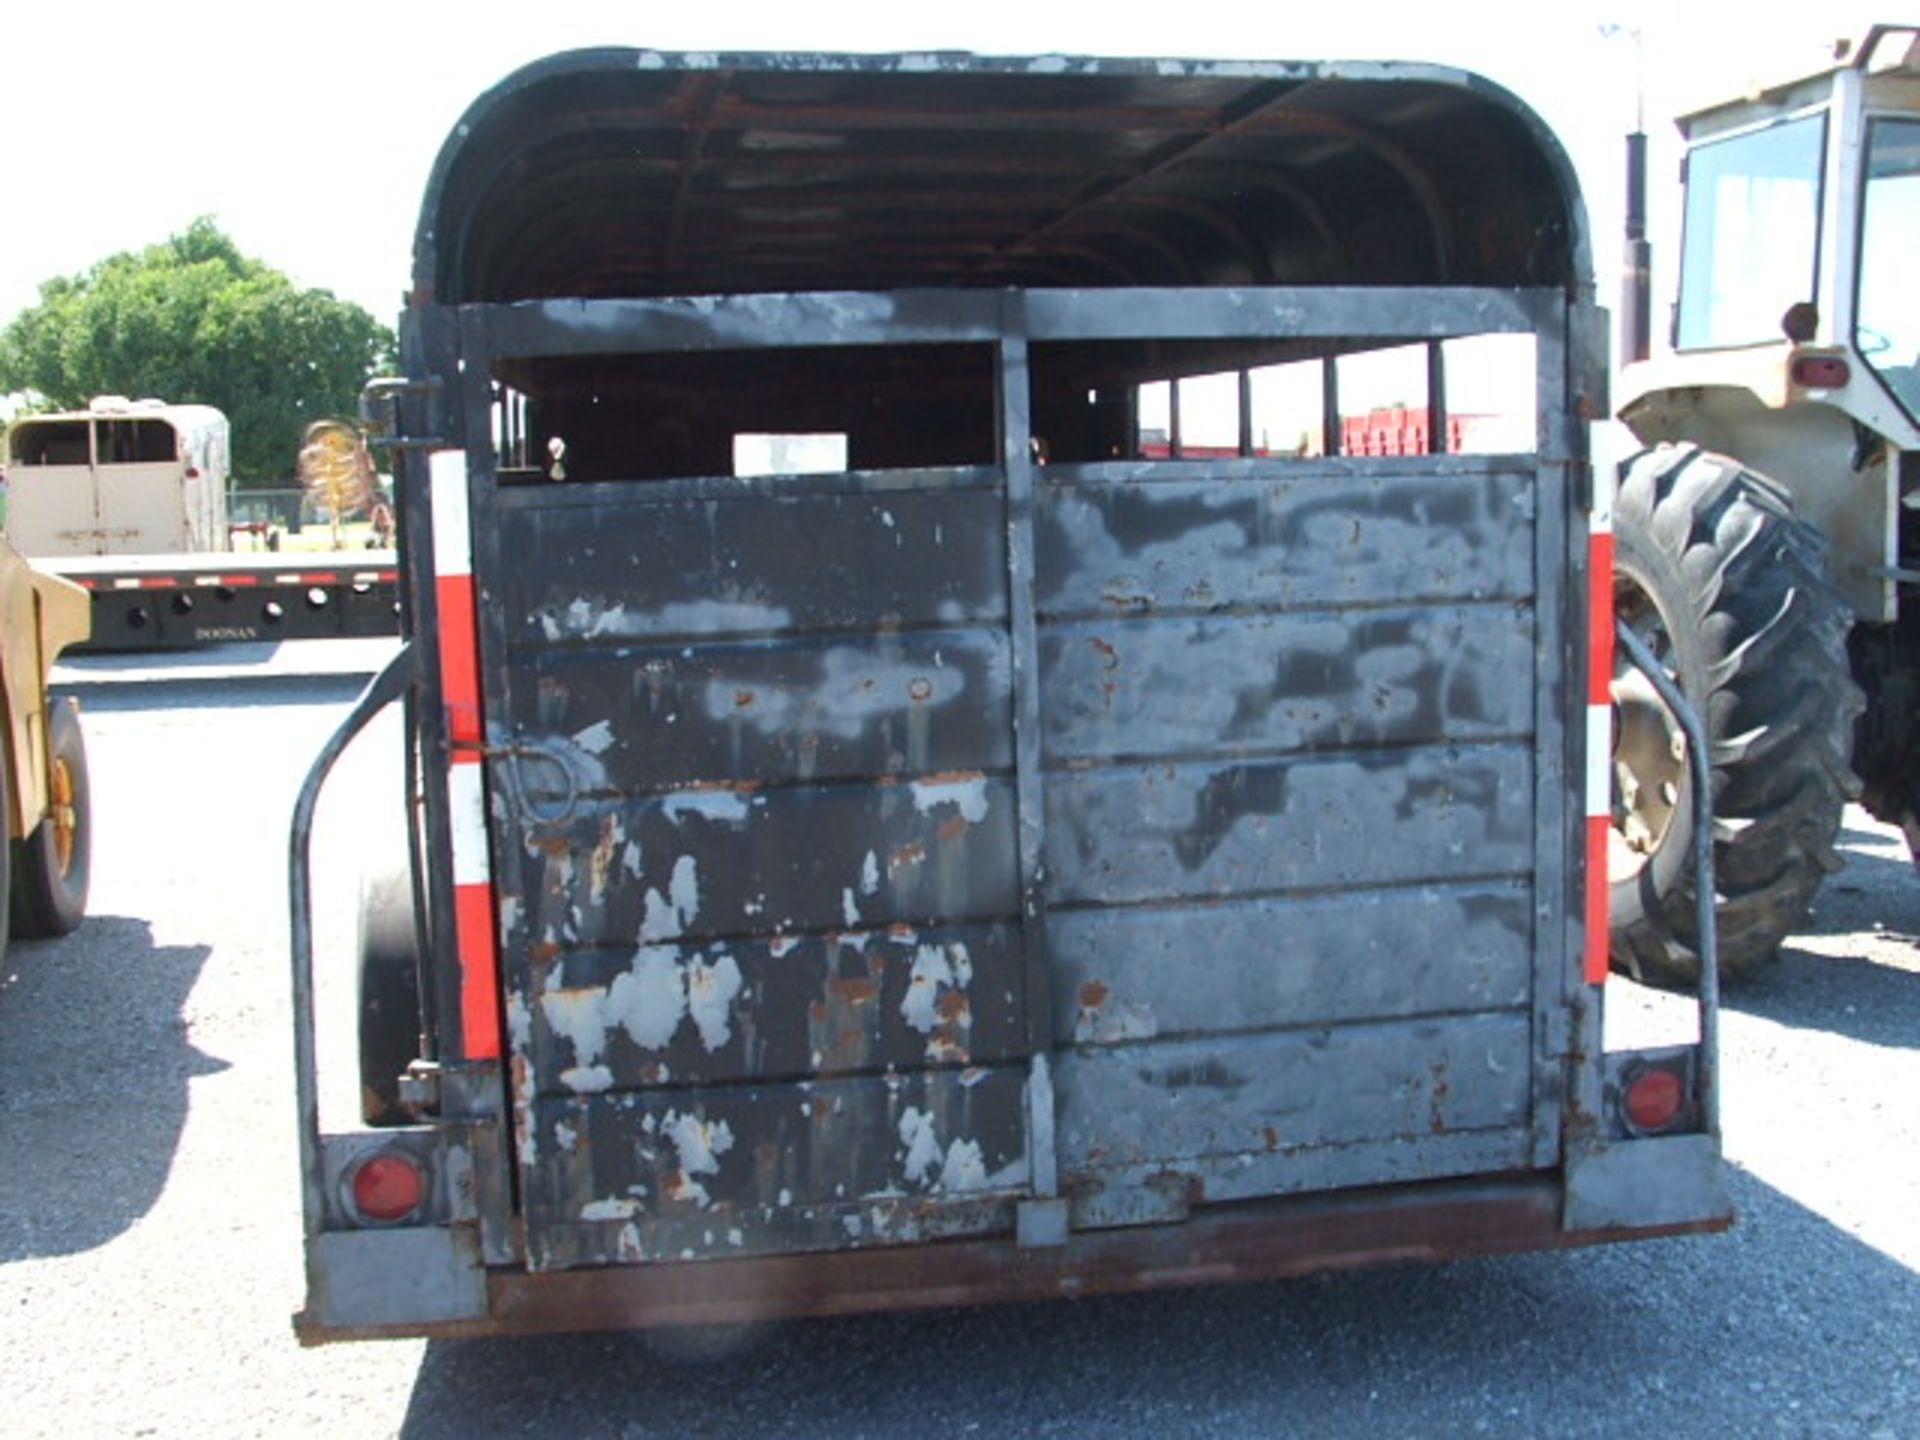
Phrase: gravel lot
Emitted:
{"points": [[149, 1230]]}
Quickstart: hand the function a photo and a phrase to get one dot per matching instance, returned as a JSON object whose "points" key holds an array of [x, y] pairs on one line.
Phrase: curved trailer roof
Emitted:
{"points": [[622, 172]]}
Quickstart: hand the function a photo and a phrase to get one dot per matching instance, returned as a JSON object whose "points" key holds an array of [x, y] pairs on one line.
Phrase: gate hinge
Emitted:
{"points": [[420, 1089]]}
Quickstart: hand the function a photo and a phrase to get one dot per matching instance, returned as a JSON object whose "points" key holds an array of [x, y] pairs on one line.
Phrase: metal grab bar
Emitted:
{"points": [[1700, 776], [386, 687]]}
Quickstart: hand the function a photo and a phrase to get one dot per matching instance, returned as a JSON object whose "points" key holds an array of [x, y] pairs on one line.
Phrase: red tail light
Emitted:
{"points": [[1654, 1100], [1819, 372], [388, 1186]]}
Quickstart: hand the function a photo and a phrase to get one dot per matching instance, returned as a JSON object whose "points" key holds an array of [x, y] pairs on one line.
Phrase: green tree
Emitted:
{"points": [[193, 320]]}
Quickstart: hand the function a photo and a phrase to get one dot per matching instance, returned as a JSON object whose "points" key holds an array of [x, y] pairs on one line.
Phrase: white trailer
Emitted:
{"points": [[118, 478]]}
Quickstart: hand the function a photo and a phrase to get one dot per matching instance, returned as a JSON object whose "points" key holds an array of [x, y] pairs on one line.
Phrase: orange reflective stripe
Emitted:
{"points": [[476, 943], [1599, 744]]}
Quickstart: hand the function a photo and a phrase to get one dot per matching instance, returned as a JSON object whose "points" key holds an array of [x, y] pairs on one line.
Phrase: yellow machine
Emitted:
{"points": [[43, 783]]}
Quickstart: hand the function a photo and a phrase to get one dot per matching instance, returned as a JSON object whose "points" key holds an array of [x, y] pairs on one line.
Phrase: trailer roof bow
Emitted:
{"points": [[619, 172]]}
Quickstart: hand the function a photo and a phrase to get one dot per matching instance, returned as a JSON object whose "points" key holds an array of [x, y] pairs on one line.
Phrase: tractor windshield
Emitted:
{"points": [[1752, 234], [1887, 316]]}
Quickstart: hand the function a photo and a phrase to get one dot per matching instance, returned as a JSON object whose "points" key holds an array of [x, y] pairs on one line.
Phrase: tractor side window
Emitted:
{"points": [[1887, 315], [1751, 243]]}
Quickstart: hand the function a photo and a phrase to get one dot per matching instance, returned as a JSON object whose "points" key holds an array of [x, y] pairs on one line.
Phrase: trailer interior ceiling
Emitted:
{"points": [[613, 173]]}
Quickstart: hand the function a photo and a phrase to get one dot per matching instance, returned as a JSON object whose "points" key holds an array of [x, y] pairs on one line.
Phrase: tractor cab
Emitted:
{"points": [[1768, 541], [1795, 333]]}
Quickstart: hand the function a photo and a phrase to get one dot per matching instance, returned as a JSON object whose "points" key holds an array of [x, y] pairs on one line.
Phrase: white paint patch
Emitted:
{"points": [[650, 1000], [668, 915], [935, 970], [565, 1136], [612, 1209], [723, 807], [519, 1021], [968, 796], [587, 1079], [698, 1143], [717, 617], [710, 993], [633, 859], [870, 874], [849, 908], [965, 1167], [580, 1016], [596, 739], [922, 1153]]}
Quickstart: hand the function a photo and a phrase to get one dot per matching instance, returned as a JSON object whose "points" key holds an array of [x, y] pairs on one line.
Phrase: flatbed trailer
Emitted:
{"points": [[170, 602], [881, 835]]}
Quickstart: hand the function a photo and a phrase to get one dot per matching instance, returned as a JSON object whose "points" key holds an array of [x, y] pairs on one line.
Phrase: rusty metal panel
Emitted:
{"points": [[699, 864], [1172, 1101], [805, 708], [1139, 974], [1173, 830], [613, 562], [1163, 1192], [880, 1159], [1132, 539], [1272, 683], [756, 820], [754, 1008]]}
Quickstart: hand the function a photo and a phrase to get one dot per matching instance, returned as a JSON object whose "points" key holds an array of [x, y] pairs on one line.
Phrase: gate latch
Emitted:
{"points": [[380, 412]]}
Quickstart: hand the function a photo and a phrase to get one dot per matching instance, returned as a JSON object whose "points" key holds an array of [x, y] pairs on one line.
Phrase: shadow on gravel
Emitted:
{"points": [[94, 1067], [1858, 999], [1785, 1325], [1872, 994]]}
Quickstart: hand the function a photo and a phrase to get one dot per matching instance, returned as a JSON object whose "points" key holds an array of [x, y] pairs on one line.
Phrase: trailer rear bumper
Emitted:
{"points": [[1259, 1241]]}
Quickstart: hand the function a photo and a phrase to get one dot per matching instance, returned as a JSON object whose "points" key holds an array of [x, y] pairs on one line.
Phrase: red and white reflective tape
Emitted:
{"points": [[475, 942], [1599, 718]]}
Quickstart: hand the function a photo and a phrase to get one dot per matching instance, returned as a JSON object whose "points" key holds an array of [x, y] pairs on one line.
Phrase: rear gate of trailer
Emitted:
{"points": [[878, 856]]}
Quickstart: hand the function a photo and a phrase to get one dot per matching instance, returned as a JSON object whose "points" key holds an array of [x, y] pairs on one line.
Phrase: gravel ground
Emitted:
{"points": [[149, 1255]]}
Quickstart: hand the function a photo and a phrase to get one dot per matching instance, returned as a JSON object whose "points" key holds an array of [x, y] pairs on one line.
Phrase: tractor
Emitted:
{"points": [[1767, 540]]}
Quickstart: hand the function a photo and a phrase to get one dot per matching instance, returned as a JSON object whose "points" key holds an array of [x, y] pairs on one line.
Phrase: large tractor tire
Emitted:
{"points": [[1728, 588]]}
